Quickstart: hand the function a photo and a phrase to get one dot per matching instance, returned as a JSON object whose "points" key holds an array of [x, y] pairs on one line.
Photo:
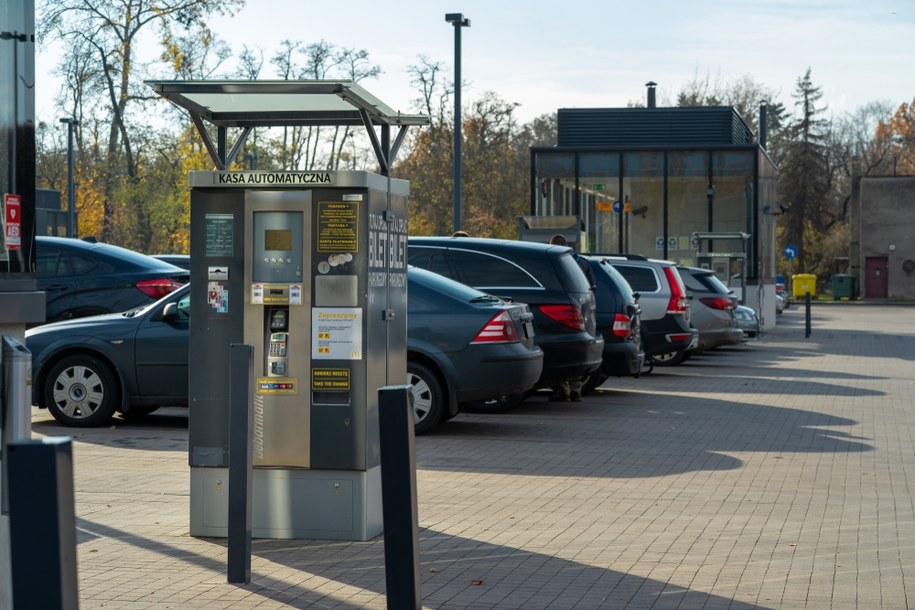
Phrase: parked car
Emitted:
{"points": [[666, 330], [711, 308], [619, 322], [747, 321], [86, 369], [463, 345], [82, 278], [544, 276], [178, 260]]}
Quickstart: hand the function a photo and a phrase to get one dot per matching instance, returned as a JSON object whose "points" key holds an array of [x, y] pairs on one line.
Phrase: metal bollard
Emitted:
{"points": [[398, 497], [807, 316], [238, 568], [43, 524]]}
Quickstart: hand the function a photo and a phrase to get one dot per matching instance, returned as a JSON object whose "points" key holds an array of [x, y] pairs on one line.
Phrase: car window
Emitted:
{"points": [[484, 270], [640, 279], [430, 258], [692, 282], [619, 281], [55, 263], [184, 307]]}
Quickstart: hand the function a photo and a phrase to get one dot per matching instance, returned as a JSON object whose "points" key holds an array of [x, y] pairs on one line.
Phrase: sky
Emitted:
{"points": [[589, 53]]}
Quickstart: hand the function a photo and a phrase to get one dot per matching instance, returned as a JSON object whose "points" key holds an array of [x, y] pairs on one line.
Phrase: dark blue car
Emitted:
{"points": [[82, 278]]}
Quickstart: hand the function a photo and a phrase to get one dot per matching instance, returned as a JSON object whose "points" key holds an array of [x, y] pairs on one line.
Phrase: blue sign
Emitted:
{"points": [[791, 251], [617, 207]]}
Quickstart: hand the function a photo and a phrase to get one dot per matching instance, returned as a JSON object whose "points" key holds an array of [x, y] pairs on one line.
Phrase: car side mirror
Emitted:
{"points": [[170, 312]]}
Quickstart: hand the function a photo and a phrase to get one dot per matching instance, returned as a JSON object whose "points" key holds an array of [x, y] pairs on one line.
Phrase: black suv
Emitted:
{"points": [[619, 319], [545, 277]]}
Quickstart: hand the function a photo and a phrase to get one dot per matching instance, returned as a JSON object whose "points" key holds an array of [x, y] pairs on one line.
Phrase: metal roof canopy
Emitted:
{"points": [[287, 103]]}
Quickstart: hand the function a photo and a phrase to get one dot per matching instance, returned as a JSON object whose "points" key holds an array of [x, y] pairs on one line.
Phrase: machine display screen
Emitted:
{"points": [[278, 239]]}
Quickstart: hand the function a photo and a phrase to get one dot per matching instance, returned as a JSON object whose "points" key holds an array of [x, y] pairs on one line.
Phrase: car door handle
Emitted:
{"points": [[58, 287]]}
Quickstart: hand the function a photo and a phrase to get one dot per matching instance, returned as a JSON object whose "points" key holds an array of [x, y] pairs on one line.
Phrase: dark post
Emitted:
{"points": [[398, 497], [807, 315], [458, 21], [42, 523], [71, 194], [240, 463]]}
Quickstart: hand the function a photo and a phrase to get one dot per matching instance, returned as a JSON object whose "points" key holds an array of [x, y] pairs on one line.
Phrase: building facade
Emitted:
{"points": [[882, 256], [681, 184]]}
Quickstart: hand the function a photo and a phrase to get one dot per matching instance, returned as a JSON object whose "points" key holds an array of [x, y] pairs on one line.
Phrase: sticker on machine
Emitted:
{"points": [[336, 333]]}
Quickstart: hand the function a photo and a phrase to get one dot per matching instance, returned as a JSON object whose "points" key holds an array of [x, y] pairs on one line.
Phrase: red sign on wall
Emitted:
{"points": [[12, 204]]}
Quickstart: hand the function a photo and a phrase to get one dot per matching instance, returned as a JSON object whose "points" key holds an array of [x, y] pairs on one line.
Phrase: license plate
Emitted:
{"points": [[528, 330]]}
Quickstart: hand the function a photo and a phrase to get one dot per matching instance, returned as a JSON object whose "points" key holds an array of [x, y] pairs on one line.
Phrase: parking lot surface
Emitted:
{"points": [[777, 474]]}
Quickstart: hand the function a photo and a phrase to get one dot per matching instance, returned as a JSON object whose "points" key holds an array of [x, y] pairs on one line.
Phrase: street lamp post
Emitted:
{"points": [[458, 21], [71, 194]]}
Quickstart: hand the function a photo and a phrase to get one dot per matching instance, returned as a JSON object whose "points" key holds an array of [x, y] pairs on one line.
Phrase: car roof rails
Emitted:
{"points": [[631, 257]]}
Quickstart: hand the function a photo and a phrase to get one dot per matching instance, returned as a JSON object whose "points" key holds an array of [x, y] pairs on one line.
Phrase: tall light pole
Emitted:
{"points": [[458, 21], [71, 194]]}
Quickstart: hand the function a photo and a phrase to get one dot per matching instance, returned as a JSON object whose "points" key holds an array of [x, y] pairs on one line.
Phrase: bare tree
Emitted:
{"points": [[106, 34]]}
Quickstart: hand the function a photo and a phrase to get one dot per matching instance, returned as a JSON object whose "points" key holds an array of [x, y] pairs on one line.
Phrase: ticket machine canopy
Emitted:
{"points": [[247, 104]]}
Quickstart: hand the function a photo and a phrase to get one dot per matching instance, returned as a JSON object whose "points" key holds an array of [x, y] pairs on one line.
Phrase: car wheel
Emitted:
{"points": [[81, 391], [428, 401], [592, 381], [670, 358]]}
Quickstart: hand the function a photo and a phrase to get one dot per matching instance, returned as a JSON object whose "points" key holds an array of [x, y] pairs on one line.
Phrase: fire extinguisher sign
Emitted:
{"points": [[12, 205]]}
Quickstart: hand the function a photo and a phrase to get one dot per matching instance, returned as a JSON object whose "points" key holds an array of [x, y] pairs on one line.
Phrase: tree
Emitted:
{"points": [[103, 59], [806, 180], [898, 135]]}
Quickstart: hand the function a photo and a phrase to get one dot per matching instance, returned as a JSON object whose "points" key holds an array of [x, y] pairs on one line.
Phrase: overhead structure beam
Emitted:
{"points": [[251, 104]]}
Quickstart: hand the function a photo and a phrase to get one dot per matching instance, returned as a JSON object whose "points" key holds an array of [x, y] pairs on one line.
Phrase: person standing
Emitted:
{"points": [[570, 389]]}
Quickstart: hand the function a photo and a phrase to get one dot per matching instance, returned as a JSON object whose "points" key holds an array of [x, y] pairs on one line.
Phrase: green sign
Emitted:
{"points": [[597, 187]]}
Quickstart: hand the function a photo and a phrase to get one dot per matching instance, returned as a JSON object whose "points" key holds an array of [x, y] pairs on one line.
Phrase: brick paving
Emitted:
{"points": [[778, 474]]}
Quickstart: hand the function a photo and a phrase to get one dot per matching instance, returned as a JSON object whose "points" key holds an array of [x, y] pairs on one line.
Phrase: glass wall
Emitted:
{"points": [[665, 196], [643, 197], [599, 185], [554, 177], [687, 203]]}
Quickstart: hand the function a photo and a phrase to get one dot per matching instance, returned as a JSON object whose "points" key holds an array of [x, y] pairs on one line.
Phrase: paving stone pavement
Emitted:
{"points": [[778, 474]]}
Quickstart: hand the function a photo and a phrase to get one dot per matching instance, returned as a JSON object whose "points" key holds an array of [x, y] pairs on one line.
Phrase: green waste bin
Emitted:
{"points": [[843, 286], [802, 283]]}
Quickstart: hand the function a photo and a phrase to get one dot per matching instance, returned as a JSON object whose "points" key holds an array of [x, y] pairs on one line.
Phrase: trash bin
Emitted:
{"points": [[802, 283], [843, 286]]}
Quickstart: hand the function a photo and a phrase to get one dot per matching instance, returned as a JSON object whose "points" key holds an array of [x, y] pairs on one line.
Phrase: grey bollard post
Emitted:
{"points": [[398, 497], [15, 404], [238, 566], [807, 315], [42, 524]]}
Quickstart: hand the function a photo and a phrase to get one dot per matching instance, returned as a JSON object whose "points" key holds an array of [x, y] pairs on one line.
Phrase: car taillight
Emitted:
{"points": [[721, 303], [677, 303], [570, 315], [501, 329], [156, 289], [621, 327]]}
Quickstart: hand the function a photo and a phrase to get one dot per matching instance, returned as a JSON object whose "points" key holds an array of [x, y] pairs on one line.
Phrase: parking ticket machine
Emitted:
{"points": [[309, 268]]}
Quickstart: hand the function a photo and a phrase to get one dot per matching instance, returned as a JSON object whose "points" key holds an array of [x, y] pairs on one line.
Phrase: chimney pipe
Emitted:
{"points": [[651, 98], [763, 124]]}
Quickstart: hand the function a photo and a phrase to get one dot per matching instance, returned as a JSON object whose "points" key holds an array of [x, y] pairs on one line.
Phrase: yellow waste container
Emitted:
{"points": [[802, 283]]}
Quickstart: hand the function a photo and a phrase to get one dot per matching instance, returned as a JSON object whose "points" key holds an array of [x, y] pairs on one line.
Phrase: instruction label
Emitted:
{"points": [[330, 379], [338, 226], [336, 333]]}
